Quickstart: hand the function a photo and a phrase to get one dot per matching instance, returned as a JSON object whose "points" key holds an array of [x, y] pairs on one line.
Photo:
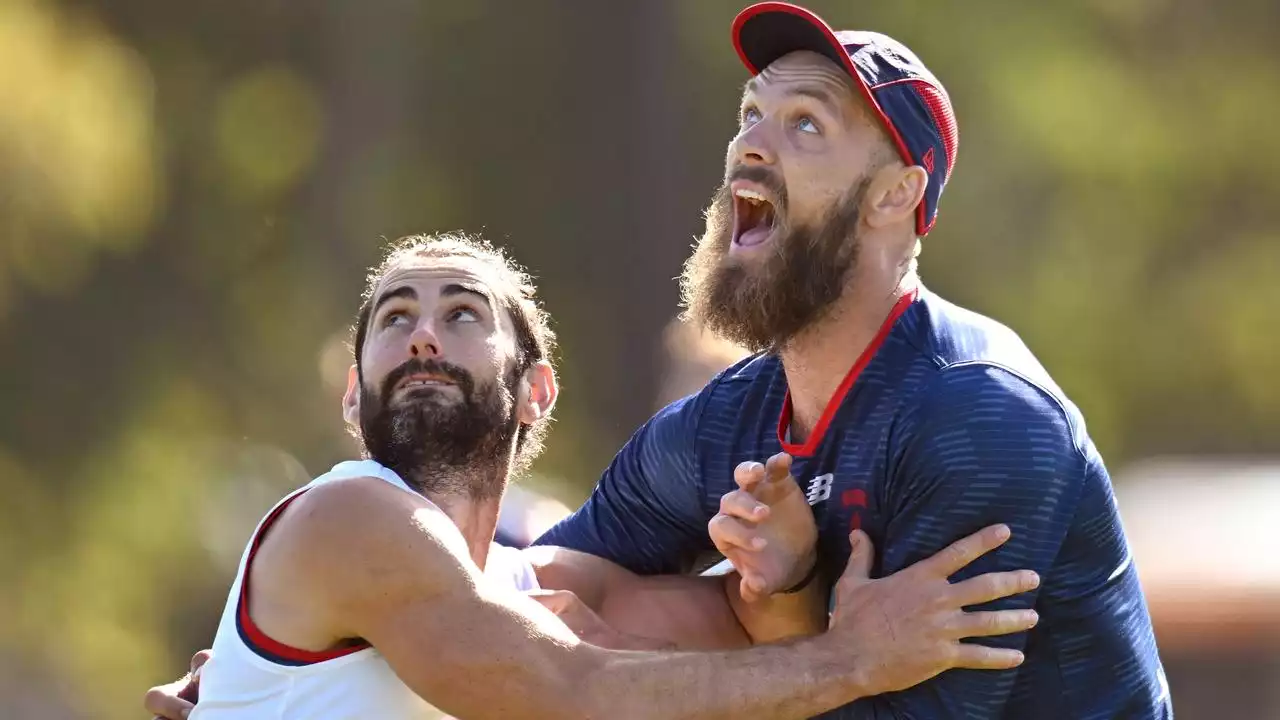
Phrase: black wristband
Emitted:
{"points": [[805, 582]]}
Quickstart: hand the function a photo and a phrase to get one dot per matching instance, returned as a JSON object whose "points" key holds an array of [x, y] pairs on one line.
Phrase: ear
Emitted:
{"points": [[894, 195], [351, 398], [537, 393]]}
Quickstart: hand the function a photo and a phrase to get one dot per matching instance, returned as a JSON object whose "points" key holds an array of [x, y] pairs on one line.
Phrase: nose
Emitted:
{"points": [[423, 343], [752, 146]]}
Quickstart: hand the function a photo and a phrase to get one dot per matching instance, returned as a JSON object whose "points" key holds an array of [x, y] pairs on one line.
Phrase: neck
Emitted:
{"points": [[454, 490], [817, 360], [477, 519]]}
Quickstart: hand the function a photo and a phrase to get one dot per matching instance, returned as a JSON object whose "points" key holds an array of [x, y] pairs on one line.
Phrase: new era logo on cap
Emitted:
{"points": [[907, 98]]}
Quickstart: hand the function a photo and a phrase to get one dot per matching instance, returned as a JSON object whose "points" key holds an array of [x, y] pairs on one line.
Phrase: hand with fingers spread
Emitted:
{"points": [[176, 700], [907, 627], [766, 528]]}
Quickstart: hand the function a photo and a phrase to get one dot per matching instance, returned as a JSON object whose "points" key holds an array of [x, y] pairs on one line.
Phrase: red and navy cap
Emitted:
{"points": [[908, 99]]}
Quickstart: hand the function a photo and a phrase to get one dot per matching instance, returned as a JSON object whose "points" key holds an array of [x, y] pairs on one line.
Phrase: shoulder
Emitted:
{"points": [[683, 424], [739, 394], [978, 395], [729, 386], [342, 502], [947, 334], [750, 376], [976, 364], [365, 527], [979, 426]]}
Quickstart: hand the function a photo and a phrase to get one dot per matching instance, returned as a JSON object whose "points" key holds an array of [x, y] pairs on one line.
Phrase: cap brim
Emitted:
{"points": [[766, 31]]}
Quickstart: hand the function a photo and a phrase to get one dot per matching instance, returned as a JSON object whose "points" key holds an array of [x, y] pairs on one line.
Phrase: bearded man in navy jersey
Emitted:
{"points": [[898, 412]]}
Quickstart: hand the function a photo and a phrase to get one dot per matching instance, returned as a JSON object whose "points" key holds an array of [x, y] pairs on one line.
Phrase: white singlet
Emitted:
{"points": [[252, 676]]}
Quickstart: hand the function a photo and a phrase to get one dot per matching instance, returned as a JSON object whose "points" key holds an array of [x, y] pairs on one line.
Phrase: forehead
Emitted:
{"points": [[429, 275], [803, 70]]}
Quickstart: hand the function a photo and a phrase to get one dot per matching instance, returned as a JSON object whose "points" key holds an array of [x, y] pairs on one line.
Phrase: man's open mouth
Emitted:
{"points": [[753, 214], [421, 380]]}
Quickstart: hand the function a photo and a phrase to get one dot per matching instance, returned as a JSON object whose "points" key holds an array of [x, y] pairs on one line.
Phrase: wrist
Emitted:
{"points": [[839, 667], [810, 563]]}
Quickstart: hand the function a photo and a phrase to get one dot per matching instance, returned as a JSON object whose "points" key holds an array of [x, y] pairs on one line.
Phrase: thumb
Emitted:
{"points": [[861, 555], [199, 659]]}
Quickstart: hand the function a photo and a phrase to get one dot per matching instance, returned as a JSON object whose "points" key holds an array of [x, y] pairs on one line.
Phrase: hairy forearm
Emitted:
{"points": [[787, 681], [538, 672]]}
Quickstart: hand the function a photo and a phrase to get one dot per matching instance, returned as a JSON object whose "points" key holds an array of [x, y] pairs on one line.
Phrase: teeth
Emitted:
{"points": [[750, 196]]}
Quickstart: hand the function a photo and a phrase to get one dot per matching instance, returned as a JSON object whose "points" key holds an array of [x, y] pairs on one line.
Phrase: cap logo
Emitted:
{"points": [[928, 160]]}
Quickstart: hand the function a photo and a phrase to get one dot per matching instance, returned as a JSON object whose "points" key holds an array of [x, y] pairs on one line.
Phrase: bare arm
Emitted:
{"points": [[777, 617], [676, 611], [397, 574], [383, 565]]}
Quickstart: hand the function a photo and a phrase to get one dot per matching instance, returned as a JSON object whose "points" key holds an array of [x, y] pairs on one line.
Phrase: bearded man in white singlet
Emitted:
{"points": [[376, 588]]}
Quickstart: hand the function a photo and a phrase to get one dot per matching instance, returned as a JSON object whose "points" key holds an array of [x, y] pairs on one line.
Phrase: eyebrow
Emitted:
{"points": [[817, 92], [452, 289], [459, 289], [404, 291]]}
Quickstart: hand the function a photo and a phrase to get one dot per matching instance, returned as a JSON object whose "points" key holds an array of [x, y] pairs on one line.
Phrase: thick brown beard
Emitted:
{"points": [[764, 305], [458, 448]]}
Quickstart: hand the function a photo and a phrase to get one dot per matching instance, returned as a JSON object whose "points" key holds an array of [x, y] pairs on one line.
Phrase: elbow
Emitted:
{"points": [[583, 690], [598, 691]]}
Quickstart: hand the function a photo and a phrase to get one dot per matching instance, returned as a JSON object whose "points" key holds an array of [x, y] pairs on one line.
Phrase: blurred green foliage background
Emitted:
{"points": [[190, 192]]}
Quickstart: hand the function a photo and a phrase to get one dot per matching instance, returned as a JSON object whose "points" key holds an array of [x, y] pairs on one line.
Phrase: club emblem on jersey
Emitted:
{"points": [[819, 489]]}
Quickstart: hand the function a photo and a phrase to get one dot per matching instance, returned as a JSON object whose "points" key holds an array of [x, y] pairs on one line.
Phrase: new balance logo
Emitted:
{"points": [[819, 489]]}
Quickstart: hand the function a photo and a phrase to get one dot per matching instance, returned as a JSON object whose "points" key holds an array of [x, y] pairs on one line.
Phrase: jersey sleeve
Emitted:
{"points": [[646, 513], [980, 446]]}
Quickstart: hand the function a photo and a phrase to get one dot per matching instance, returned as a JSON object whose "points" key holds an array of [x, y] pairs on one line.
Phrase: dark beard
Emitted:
{"points": [[439, 446], [764, 305]]}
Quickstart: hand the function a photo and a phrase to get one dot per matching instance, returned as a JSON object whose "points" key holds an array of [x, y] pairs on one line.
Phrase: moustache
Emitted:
{"points": [[764, 177], [429, 367]]}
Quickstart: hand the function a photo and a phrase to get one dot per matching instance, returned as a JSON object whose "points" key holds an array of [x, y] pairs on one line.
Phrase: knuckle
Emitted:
{"points": [[998, 584], [958, 553], [732, 502], [948, 654], [725, 530], [154, 700]]}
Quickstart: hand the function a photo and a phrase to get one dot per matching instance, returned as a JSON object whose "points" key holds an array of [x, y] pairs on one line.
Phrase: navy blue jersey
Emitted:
{"points": [[945, 425]]}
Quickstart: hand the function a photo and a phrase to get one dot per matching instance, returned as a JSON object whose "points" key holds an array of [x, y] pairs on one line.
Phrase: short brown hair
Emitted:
{"points": [[535, 340]]}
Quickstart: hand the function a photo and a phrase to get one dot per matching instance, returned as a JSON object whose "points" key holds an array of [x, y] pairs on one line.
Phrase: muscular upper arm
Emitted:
{"points": [[395, 571], [691, 612]]}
